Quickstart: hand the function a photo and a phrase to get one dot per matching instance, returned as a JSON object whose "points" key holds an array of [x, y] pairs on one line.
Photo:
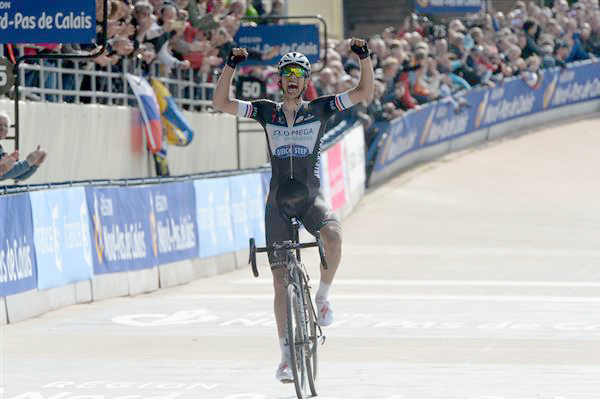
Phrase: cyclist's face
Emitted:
{"points": [[293, 80]]}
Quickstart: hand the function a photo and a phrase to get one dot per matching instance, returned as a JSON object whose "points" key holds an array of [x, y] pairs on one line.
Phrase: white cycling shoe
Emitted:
{"points": [[284, 373], [324, 311]]}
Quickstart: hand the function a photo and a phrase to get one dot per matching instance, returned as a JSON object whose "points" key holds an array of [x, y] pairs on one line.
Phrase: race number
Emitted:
{"points": [[250, 88], [7, 78]]}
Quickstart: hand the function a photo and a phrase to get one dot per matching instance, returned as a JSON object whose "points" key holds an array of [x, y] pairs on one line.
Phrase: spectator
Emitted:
{"points": [[10, 167]]}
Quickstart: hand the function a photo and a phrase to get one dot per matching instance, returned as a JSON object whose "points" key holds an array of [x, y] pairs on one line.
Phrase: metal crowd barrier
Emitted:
{"points": [[44, 80]]}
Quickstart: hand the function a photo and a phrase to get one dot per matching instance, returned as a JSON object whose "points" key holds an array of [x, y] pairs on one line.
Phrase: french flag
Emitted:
{"points": [[148, 109]]}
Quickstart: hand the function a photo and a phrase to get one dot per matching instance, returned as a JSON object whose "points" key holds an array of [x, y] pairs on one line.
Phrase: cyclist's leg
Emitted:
{"points": [[319, 217], [277, 230]]}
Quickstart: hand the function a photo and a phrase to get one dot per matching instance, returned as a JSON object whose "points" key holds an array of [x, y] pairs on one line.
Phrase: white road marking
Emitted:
{"points": [[353, 249], [491, 298], [441, 283]]}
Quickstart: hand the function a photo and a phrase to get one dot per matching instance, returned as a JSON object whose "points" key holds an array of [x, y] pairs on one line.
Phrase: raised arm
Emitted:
{"points": [[221, 100], [364, 90]]}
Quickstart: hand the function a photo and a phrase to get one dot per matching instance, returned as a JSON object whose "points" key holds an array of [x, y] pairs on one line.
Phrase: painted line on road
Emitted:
{"points": [[370, 250], [440, 283], [490, 298]]}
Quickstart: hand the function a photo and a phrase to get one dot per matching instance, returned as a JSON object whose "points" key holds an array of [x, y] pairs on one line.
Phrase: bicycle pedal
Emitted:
{"points": [[287, 381]]}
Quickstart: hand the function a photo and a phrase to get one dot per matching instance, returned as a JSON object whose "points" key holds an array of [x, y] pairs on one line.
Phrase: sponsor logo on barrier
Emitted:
{"points": [[507, 109], [398, 143], [15, 261], [575, 92], [549, 92], [170, 234], [112, 241], [447, 127]]}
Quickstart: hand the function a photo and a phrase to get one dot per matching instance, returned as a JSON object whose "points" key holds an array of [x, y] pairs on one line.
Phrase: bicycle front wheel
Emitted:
{"points": [[297, 336], [312, 360]]}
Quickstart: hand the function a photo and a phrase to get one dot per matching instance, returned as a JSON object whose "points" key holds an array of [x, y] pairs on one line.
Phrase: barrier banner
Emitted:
{"points": [[438, 122], [173, 221], [64, 21], [262, 38], [354, 162], [248, 209], [121, 231], [335, 170], [448, 6], [213, 211], [18, 270], [61, 226]]}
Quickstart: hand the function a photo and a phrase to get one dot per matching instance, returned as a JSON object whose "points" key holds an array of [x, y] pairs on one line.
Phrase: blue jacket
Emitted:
{"points": [[20, 171]]}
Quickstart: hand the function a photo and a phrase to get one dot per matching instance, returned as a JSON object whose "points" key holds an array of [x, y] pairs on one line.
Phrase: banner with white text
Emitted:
{"points": [[62, 237]]}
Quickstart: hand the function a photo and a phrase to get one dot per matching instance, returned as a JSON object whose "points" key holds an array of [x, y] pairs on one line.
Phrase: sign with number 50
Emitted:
{"points": [[7, 78]]}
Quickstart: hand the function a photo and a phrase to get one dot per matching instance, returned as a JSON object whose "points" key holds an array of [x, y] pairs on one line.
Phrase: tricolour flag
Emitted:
{"points": [[149, 110]]}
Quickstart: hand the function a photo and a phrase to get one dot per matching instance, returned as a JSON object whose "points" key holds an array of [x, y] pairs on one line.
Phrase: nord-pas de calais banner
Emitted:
{"points": [[173, 221], [262, 38], [448, 6], [213, 210], [436, 123], [122, 237], [247, 209], [17, 254], [62, 236], [38, 21]]}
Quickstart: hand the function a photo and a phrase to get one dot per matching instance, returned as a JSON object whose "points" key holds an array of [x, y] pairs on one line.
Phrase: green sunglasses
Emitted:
{"points": [[289, 71]]}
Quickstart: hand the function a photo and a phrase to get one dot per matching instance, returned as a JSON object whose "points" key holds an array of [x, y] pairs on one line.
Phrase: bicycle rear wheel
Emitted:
{"points": [[312, 360], [297, 336]]}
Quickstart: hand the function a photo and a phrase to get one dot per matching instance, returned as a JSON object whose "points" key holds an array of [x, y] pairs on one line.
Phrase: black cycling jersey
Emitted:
{"points": [[294, 152]]}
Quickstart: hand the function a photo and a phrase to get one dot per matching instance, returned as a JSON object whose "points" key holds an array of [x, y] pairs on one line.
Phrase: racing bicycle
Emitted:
{"points": [[303, 334]]}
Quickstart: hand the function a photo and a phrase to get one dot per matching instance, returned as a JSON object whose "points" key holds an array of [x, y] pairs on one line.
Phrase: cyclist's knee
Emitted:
{"points": [[332, 235]]}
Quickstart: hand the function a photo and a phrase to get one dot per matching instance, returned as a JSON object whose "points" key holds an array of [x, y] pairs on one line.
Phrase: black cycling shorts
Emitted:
{"points": [[314, 218]]}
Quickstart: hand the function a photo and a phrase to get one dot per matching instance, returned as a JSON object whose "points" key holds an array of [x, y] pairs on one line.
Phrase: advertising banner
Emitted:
{"points": [[262, 38], [354, 162], [213, 212], [448, 6], [34, 21], [121, 230], [61, 227], [18, 270], [248, 209], [336, 176], [437, 122], [173, 221]]}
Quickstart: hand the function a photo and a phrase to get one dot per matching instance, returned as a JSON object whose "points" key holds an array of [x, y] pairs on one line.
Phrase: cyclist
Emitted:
{"points": [[294, 131]]}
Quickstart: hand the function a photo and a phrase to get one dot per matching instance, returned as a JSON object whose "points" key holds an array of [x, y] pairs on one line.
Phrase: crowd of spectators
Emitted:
{"points": [[415, 62], [421, 60], [189, 35]]}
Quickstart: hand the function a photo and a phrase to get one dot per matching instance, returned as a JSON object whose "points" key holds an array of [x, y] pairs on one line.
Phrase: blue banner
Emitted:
{"points": [[121, 231], [262, 38], [173, 221], [35, 21], [18, 270], [438, 122], [213, 210], [248, 209], [448, 6], [62, 237]]}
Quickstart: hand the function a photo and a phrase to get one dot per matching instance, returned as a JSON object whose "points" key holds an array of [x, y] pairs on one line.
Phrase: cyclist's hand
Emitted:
{"points": [[359, 47], [236, 56]]}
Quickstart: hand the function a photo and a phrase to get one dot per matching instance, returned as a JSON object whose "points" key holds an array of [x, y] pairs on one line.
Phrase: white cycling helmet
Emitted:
{"points": [[296, 59]]}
